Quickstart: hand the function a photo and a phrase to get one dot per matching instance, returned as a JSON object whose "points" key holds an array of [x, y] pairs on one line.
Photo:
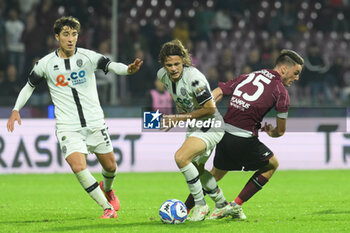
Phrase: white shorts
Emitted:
{"points": [[211, 138], [85, 141]]}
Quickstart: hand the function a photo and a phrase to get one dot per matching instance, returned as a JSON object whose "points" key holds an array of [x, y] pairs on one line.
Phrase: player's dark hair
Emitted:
{"points": [[66, 21], [289, 57], [174, 48]]}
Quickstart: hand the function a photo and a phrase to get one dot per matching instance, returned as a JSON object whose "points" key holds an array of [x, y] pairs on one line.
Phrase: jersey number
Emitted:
{"points": [[256, 81]]}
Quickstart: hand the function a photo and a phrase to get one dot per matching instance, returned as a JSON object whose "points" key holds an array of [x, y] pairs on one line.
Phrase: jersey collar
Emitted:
{"points": [[56, 52]]}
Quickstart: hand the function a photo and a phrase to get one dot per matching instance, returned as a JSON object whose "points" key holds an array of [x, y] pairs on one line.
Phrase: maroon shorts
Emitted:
{"points": [[235, 153]]}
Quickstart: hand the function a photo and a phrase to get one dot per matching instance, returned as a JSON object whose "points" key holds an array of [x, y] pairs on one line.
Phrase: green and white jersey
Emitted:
{"points": [[72, 85], [190, 92]]}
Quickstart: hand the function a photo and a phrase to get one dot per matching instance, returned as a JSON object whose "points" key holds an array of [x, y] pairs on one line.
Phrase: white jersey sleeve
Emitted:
{"points": [[199, 86]]}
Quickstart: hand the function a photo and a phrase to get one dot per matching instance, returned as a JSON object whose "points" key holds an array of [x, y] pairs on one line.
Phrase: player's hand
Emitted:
{"points": [[11, 122], [268, 128], [135, 66]]}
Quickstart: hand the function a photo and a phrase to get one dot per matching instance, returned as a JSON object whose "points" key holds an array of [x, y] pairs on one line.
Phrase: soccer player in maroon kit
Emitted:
{"points": [[252, 96]]}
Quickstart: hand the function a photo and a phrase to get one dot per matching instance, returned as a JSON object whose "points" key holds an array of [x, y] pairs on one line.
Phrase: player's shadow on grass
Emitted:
{"points": [[41, 221], [106, 225], [331, 211]]}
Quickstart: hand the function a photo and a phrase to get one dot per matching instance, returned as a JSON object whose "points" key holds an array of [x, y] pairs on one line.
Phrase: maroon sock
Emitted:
{"points": [[255, 183], [189, 203]]}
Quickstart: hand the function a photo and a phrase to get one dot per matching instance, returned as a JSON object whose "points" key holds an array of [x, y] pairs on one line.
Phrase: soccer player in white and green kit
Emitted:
{"points": [[80, 127], [194, 101]]}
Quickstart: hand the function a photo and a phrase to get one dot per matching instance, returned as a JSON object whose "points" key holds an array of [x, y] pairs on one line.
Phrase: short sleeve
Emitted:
{"points": [[37, 75], [200, 87], [282, 101], [161, 74]]}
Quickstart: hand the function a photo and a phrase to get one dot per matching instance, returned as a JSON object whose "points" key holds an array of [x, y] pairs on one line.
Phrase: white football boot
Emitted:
{"points": [[199, 212], [237, 211], [221, 212]]}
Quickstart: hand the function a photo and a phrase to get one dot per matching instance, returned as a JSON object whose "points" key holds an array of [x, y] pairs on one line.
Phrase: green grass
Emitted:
{"points": [[293, 201]]}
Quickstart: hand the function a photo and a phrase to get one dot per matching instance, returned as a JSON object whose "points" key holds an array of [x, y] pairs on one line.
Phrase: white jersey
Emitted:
{"points": [[72, 86], [190, 92]]}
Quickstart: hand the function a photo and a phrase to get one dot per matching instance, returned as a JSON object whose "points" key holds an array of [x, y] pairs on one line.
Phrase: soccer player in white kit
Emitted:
{"points": [[191, 92], [80, 127]]}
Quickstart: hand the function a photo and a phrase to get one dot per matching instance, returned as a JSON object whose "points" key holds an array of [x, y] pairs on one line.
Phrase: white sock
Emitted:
{"points": [[211, 188], [108, 178], [91, 186], [192, 178]]}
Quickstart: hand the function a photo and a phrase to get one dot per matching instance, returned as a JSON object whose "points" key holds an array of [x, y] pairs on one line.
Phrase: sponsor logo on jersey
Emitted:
{"points": [[75, 78], [151, 120], [55, 67], [238, 103]]}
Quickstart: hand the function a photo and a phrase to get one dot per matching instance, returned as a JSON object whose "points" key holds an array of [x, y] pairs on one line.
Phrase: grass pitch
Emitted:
{"points": [[293, 201]]}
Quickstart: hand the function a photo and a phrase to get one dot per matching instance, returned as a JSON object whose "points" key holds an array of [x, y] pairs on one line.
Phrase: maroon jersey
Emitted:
{"points": [[253, 95]]}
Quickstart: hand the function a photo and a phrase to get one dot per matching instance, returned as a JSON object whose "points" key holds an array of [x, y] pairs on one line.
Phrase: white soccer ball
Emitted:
{"points": [[173, 211]]}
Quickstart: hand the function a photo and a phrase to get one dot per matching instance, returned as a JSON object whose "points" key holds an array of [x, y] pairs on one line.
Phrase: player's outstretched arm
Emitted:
{"points": [[122, 69], [11, 121], [22, 98], [135, 66]]}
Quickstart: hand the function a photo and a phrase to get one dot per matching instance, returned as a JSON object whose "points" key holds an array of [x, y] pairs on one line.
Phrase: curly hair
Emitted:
{"points": [[174, 48], [66, 21]]}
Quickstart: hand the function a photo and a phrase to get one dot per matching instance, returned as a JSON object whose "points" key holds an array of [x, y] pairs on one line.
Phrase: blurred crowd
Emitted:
{"points": [[225, 38]]}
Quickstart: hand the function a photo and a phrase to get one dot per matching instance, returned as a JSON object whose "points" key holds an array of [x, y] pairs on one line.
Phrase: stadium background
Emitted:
{"points": [[225, 37]]}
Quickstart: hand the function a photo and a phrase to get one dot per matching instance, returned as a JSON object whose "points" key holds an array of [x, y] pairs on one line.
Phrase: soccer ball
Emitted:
{"points": [[173, 211]]}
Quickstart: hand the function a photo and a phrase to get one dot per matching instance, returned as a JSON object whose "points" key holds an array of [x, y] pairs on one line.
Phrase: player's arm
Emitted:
{"points": [[119, 68], [277, 131], [22, 99], [218, 94]]}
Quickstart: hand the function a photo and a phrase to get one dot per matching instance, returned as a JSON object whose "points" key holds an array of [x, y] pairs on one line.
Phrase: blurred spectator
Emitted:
{"points": [[131, 41], [11, 87], [46, 14], [158, 36], [181, 32], [222, 20], [314, 76], [228, 75], [225, 61], [141, 82], [27, 6], [254, 60], [213, 78], [160, 98], [30, 37], [2, 33], [203, 20], [14, 46], [246, 69]]}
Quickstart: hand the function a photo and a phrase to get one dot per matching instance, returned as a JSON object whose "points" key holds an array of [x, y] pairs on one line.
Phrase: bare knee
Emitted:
{"points": [[181, 159], [217, 173], [77, 167], [110, 167]]}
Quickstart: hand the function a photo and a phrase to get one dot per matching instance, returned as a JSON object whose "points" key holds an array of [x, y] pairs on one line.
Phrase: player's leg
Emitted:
{"points": [[191, 148], [218, 174], [109, 171], [257, 181], [255, 184], [77, 162]]}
